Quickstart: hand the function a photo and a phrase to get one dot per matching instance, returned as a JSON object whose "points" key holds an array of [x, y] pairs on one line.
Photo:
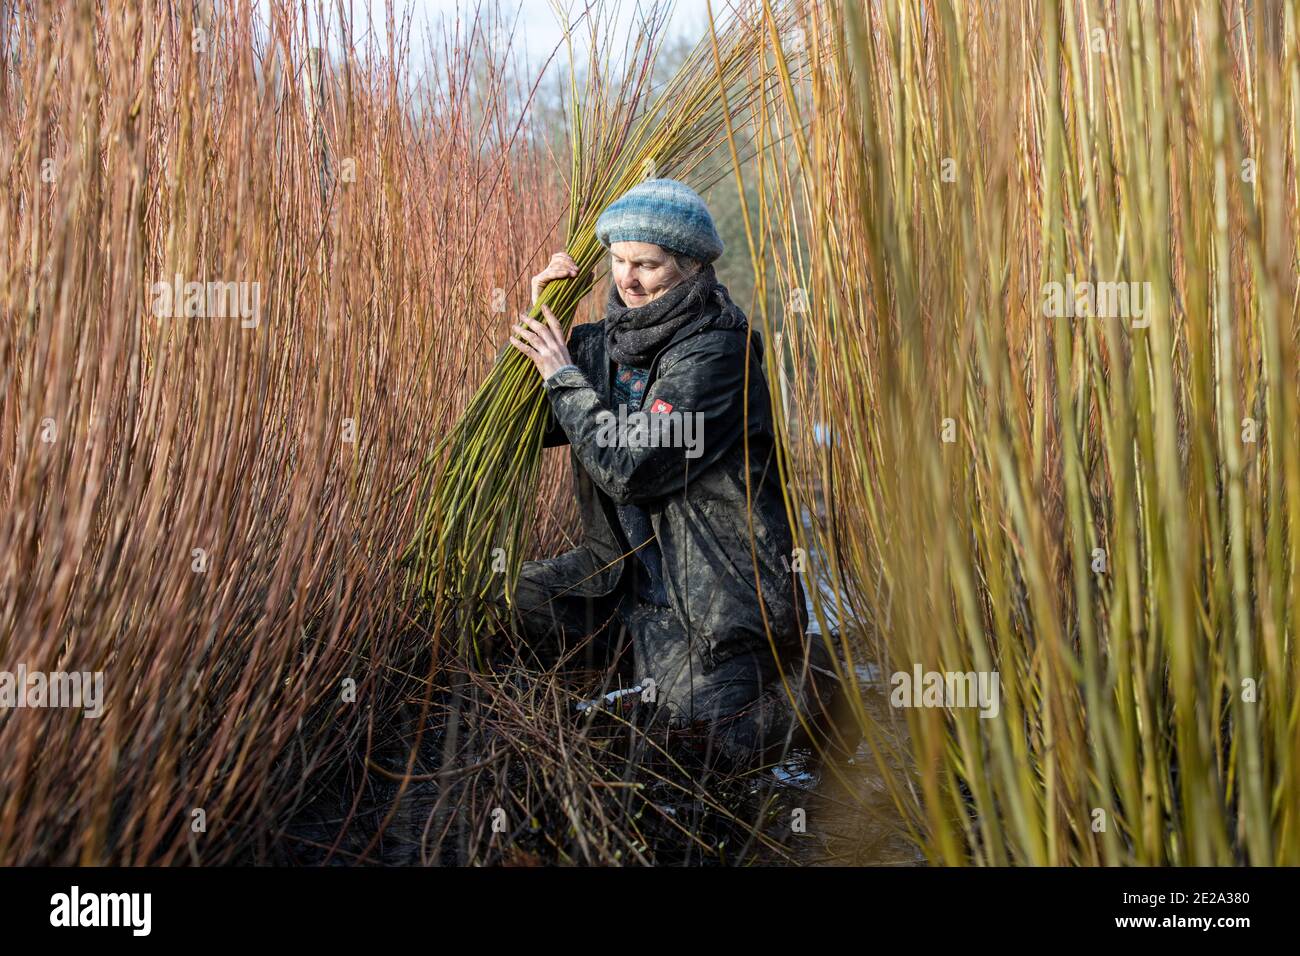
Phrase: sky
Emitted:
{"points": [[539, 27], [538, 31]]}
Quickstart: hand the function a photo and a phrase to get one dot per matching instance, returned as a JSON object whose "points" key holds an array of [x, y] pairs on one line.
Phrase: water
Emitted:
{"points": [[849, 817]]}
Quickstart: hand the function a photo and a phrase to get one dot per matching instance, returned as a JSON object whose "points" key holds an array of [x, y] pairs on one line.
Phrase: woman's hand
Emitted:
{"points": [[561, 266], [542, 343]]}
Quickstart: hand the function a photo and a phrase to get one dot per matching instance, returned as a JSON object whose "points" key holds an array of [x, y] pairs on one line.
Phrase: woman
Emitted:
{"points": [[685, 536]]}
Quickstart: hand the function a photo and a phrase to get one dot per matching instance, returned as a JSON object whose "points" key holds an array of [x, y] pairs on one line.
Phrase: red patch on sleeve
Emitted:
{"points": [[660, 407]]}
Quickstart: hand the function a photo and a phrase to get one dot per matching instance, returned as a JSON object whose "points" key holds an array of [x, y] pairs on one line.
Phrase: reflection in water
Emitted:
{"points": [[848, 816]]}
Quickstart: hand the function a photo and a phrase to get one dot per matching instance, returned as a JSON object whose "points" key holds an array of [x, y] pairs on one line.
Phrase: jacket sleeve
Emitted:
{"points": [[552, 434], [693, 413]]}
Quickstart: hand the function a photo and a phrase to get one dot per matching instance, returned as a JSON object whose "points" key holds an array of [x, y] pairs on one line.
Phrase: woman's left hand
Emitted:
{"points": [[543, 343]]}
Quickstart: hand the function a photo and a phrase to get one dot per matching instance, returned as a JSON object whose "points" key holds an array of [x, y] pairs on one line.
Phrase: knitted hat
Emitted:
{"points": [[665, 212]]}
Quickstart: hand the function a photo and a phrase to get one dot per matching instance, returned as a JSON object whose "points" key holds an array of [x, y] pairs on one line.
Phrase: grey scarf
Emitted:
{"points": [[633, 336]]}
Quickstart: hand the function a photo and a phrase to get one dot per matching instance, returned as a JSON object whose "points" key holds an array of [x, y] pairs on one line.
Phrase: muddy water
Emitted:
{"points": [[848, 817]]}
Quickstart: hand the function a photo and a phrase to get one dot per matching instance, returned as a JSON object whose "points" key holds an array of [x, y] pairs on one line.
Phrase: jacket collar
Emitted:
{"points": [[605, 386]]}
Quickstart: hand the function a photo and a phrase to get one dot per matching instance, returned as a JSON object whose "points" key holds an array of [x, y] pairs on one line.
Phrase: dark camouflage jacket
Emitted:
{"points": [[696, 498]]}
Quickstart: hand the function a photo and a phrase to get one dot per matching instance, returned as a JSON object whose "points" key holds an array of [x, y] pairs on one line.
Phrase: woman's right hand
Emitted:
{"points": [[561, 266]]}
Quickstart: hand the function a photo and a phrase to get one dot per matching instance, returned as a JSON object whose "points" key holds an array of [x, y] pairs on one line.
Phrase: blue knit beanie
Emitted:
{"points": [[663, 211]]}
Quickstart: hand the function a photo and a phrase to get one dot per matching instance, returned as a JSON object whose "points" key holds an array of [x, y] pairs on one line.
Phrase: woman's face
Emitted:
{"points": [[642, 271]]}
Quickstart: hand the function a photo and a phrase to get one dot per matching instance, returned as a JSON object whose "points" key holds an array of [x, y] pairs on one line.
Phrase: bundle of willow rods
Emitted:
{"points": [[477, 485]]}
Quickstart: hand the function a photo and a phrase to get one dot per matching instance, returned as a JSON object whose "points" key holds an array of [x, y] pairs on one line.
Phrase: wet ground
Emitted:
{"points": [[640, 809], [489, 786]]}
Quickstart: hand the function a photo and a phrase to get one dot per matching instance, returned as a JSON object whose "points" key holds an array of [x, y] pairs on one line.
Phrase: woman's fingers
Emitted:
{"points": [[532, 338], [536, 332], [564, 264], [521, 331], [559, 350], [549, 274], [549, 338], [542, 342], [561, 266], [553, 323]]}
